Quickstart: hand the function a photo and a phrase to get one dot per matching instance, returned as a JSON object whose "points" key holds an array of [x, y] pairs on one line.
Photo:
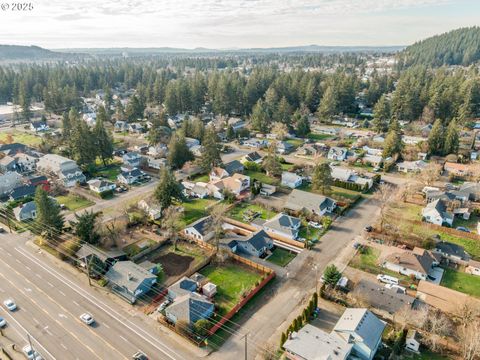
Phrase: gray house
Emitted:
{"points": [[182, 287], [130, 280], [190, 307], [27, 211], [299, 200], [283, 225], [256, 245]]}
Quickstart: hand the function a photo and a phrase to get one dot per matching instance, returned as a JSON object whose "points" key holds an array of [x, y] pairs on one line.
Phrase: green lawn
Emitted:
{"points": [[319, 137], [427, 355], [196, 209], [295, 142], [22, 137], [74, 202], [262, 177], [287, 166], [201, 177], [233, 281], [469, 224], [138, 246], [463, 282], [109, 172], [313, 233], [238, 211], [337, 193], [281, 257]]}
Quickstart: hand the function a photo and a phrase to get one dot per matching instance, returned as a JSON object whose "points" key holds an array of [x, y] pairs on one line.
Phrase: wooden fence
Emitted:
{"points": [[448, 230]]}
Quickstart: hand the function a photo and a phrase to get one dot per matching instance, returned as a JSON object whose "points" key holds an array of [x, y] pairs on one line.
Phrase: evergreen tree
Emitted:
{"points": [[48, 217], [210, 153], [393, 141], [230, 133], [84, 149], [328, 104], [331, 275], [283, 112], [322, 177], [436, 138], [271, 164], [260, 118], [158, 132], [381, 114], [103, 139], [168, 189], [303, 126], [451, 143], [25, 101], [178, 152], [119, 110], [85, 227], [134, 109]]}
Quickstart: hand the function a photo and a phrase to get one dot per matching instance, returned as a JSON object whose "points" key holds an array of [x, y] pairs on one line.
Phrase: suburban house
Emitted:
{"points": [[191, 142], [100, 186], [27, 211], [154, 163], [190, 308], [388, 300], [182, 287], [452, 252], [14, 148], [473, 267], [337, 153], [136, 128], [436, 213], [312, 343], [284, 147], [25, 163], [451, 195], [199, 190], [132, 159], [258, 244], [9, 181], [413, 140], [130, 176], [22, 192], [373, 160], [256, 143], [130, 280], [411, 166], [418, 262], [199, 229], [412, 341], [283, 225], [236, 184], [153, 211], [65, 169], [456, 169], [218, 173], [267, 189], [7, 163], [252, 157], [120, 126], [108, 257], [316, 204], [159, 150], [361, 328], [350, 176], [38, 126], [472, 189], [233, 167], [291, 179], [40, 181]]}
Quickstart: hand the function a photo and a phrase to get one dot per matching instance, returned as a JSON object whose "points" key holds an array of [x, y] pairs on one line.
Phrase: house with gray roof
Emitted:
{"points": [[132, 159], [312, 343], [291, 180], [451, 252], [361, 328], [7, 163], [258, 244], [200, 229], [129, 280], [182, 287], [436, 213], [283, 225], [233, 167], [109, 257], [316, 204], [411, 166], [27, 211], [337, 153], [472, 189], [417, 262], [190, 308], [9, 181], [22, 192]]}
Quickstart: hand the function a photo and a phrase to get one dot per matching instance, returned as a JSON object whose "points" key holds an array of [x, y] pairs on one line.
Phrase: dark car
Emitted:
{"points": [[368, 228], [2, 230], [462, 228], [139, 355]]}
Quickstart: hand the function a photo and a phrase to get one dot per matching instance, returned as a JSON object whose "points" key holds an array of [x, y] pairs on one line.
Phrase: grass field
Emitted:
{"points": [[281, 257], [262, 177], [239, 210], [109, 172], [233, 281], [319, 137], [463, 282], [335, 192], [470, 224], [295, 142], [427, 355], [138, 246], [22, 137], [74, 202], [196, 209], [287, 166], [202, 178]]}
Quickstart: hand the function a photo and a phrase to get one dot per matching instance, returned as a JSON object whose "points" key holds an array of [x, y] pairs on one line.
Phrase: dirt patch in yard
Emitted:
{"points": [[174, 264]]}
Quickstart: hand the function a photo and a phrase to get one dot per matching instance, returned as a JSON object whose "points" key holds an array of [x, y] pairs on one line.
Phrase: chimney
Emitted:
{"points": [[129, 276]]}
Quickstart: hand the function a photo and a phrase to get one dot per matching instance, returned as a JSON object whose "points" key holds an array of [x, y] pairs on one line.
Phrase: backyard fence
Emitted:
{"points": [[448, 230]]}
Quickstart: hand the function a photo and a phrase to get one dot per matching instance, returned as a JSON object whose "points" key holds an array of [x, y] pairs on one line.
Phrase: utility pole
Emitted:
{"points": [[246, 339], [89, 263]]}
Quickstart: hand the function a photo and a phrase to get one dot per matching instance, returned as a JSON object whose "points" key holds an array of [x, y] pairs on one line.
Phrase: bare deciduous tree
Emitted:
{"points": [[384, 195], [438, 325], [171, 223], [470, 340], [217, 215], [430, 174]]}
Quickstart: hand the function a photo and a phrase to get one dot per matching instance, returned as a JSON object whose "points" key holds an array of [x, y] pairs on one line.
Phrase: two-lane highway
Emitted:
{"points": [[50, 301]]}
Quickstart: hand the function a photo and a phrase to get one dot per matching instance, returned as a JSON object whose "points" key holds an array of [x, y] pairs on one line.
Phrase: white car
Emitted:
{"points": [[396, 287], [3, 322], [315, 225], [387, 279], [87, 318], [31, 354], [10, 304]]}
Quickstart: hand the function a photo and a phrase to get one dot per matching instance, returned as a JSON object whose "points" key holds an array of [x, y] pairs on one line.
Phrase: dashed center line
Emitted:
{"points": [[63, 346], [61, 292]]}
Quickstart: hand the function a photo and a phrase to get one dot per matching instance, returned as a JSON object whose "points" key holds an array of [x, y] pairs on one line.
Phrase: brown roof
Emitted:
{"points": [[419, 259], [443, 298]]}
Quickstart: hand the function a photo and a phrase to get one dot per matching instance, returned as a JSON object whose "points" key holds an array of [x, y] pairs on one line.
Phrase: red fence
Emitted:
{"points": [[237, 307]]}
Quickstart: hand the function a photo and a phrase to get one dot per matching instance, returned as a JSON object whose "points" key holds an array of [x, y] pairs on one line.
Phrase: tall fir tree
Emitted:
{"points": [[381, 115], [178, 152], [103, 139], [322, 177], [436, 139], [168, 189], [328, 104], [451, 143], [49, 219], [210, 153]]}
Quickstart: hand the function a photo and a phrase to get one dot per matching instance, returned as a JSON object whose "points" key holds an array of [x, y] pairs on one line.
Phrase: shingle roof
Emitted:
{"points": [[183, 286], [451, 249], [298, 200], [190, 307], [283, 222], [253, 156], [233, 166], [23, 191], [129, 275], [259, 240], [201, 225], [417, 260]]}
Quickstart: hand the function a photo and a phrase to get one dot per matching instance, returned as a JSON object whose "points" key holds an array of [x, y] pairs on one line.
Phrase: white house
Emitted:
{"points": [[412, 341], [100, 186], [157, 164], [154, 211], [337, 153], [418, 262], [411, 166], [316, 204], [237, 183], [200, 229], [27, 211], [128, 177], [283, 225], [132, 159], [38, 126], [436, 213], [291, 179], [65, 169]]}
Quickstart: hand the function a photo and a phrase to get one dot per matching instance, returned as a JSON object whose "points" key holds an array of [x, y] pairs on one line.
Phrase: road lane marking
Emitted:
{"points": [[34, 319], [76, 303], [49, 283], [106, 325], [38, 275], [61, 344], [121, 337], [61, 292], [18, 261], [26, 267], [123, 320]]}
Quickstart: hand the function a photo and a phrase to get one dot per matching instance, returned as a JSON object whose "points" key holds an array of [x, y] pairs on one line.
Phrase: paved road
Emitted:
{"points": [[50, 301], [277, 312]]}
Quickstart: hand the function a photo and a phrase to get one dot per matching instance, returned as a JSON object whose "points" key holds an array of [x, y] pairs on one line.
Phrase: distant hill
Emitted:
{"points": [[456, 47]]}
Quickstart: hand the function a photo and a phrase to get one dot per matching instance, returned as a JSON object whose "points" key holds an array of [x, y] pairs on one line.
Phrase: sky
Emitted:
{"points": [[225, 24]]}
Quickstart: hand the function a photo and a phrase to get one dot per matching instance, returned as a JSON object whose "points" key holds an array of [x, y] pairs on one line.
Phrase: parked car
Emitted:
{"points": [[31, 353], [139, 355], [387, 279], [397, 287], [368, 228], [2, 230], [462, 228], [356, 245], [431, 278], [3, 322], [10, 304], [87, 318], [315, 225], [164, 305]]}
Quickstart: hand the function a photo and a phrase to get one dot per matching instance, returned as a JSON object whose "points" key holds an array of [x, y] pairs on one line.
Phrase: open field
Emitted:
{"points": [[262, 177], [281, 257], [233, 280], [239, 211], [201, 177], [319, 137], [337, 193], [196, 209], [295, 142], [74, 202], [138, 246], [109, 172], [21, 137], [463, 282]]}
